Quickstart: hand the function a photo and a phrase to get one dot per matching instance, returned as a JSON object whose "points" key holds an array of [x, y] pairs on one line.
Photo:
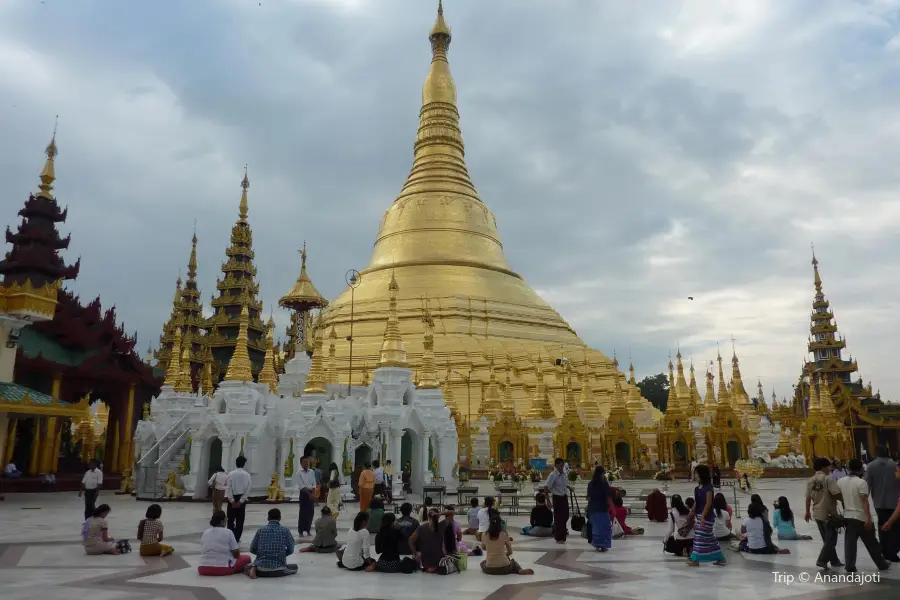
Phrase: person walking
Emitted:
{"points": [[881, 477], [90, 487], [306, 488], [237, 492], [599, 508], [558, 485], [366, 487], [822, 493], [218, 482], [858, 518]]}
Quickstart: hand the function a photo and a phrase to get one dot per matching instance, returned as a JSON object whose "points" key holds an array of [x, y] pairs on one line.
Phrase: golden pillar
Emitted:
{"points": [[48, 445], [870, 440], [10, 442], [34, 458], [126, 451]]}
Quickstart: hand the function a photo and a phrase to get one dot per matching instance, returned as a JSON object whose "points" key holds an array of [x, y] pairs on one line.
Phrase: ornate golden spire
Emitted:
{"points": [[267, 375], [587, 399], [740, 398], [696, 400], [618, 399], [507, 399], [185, 384], [239, 367], [192, 261], [209, 385], [631, 378], [672, 401], [449, 398], [491, 405], [393, 354], [817, 279], [724, 397], [681, 387], [48, 173], [331, 373], [315, 380], [243, 207], [173, 370], [304, 295], [540, 405], [710, 391], [427, 376]]}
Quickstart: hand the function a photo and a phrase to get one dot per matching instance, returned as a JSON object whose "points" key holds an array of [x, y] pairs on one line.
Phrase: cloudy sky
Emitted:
{"points": [[634, 153]]}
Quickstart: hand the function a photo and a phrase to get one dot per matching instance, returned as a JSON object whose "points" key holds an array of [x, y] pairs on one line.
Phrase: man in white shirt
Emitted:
{"points": [[558, 484], [90, 488], [858, 518], [218, 482], [237, 492], [379, 479], [306, 487]]}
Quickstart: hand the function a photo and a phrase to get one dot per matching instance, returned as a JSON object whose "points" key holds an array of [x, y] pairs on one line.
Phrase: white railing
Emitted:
{"points": [[165, 453], [159, 442], [147, 484]]}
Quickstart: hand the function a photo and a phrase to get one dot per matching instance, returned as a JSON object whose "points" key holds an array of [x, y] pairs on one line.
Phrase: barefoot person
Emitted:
{"points": [[219, 551], [306, 488], [558, 484], [272, 545], [498, 551], [706, 546]]}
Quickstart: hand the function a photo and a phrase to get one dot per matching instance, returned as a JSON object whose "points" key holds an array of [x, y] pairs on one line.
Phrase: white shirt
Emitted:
{"points": [[357, 548], [216, 545], [11, 468], [238, 484], [219, 481], [853, 489], [484, 520], [756, 535], [558, 483], [92, 480], [677, 520], [306, 479], [379, 476]]}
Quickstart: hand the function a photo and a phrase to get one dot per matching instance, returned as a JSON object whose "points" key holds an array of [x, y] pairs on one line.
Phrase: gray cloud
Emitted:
{"points": [[634, 154]]}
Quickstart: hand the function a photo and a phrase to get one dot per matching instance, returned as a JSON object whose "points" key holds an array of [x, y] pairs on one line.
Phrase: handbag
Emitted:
{"points": [[617, 531], [462, 561], [449, 563], [333, 484], [578, 519], [685, 529]]}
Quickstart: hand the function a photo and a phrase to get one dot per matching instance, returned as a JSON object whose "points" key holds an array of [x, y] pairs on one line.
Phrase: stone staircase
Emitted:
{"points": [[157, 464]]}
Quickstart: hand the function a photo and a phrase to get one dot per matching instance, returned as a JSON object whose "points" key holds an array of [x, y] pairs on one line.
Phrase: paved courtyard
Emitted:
{"points": [[41, 558]]}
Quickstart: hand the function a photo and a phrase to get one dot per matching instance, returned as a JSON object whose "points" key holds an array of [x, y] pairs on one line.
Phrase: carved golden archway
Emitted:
{"points": [[571, 430], [509, 429]]}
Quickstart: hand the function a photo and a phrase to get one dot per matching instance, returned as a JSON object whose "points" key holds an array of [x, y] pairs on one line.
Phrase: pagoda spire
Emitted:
{"points": [[492, 404], [710, 390], [672, 401], [724, 397], [427, 375], [449, 398], [185, 384], [682, 390], [506, 399], [740, 398], [587, 400], [825, 343], [268, 375], [239, 367], [696, 400], [331, 372], [207, 382], [192, 308], [315, 380], [301, 299], [48, 173], [618, 399], [236, 291], [540, 404], [173, 370], [393, 353]]}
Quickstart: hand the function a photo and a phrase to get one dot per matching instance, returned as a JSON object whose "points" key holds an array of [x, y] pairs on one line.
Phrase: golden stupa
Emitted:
{"points": [[440, 241]]}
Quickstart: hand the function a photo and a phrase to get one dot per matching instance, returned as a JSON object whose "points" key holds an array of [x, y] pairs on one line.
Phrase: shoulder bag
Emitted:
{"points": [[577, 519]]}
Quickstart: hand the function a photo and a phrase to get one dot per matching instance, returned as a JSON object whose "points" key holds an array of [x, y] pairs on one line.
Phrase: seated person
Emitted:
{"points": [[376, 513], [541, 518], [356, 553], [426, 506], [679, 538], [150, 533], [498, 550], [656, 507], [431, 542], [619, 513], [387, 542], [95, 533], [722, 524], [450, 521], [756, 533], [407, 525], [11, 471], [783, 521], [472, 517], [484, 517], [219, 551], [272, 545], [325, 541]]}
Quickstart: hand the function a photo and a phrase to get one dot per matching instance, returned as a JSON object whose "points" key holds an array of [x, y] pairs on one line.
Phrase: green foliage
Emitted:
{"points": [[656, 390]]}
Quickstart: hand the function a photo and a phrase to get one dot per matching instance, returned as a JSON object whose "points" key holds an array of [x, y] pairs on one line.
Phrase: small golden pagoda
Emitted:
{"points": [[726, 436], [268, 374], [571, 437], [675, 436], [622, 440], [239, 366]]}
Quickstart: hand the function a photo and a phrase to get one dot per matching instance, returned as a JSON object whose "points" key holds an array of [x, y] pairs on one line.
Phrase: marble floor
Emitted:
{"points": [[41, 558]]}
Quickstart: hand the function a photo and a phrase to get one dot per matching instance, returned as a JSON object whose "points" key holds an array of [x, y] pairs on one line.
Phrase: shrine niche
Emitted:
{"points": [[727, 436], [572, 439], [509, 437], [623, 453]]}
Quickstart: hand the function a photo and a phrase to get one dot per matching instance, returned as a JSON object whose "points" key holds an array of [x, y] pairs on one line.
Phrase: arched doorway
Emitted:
{"points": [[362, 455], [320, 453], [623, 454], [733, 449], [215, 456], [679, 452], [506, 452], [411, 458], [573, 454]]}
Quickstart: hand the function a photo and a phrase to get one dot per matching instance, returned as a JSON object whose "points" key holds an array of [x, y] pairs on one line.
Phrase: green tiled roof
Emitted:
{"points": [[13, 392], [34, 343]]}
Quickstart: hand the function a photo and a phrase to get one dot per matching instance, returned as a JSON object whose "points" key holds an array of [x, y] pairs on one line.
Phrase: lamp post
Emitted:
{"points": [[353, 278]]}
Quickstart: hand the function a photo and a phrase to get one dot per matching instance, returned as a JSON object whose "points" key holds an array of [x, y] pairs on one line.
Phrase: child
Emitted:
{"points": [[150, 533], [472, 518], [756, 533], [783, 521]]}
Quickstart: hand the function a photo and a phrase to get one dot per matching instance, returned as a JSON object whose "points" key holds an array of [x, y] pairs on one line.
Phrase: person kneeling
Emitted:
{"points": [[272, 545], [756, 534], [219, 552], [150, 533], [325, 541], [498, 551], [356, 553]]}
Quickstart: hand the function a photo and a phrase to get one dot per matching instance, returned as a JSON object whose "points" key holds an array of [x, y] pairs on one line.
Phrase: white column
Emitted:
{"points": [[191, 487], [227, 460], [423, 461], [447, 455]]}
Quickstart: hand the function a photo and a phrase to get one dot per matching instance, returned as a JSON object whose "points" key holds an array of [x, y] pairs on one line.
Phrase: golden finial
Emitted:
{"points": [[48, 173], [267, 375], [723, 389], [185, 384], [440, 33], [393, 353], [245, 185], [631, 378], [239, 367], [428, 376], [615, 362], [817, 280], [315, 380], [173, 370], [192, 261]]}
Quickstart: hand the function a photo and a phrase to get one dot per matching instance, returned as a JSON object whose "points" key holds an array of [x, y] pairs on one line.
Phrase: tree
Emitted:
{"points": [[656, 390]]}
